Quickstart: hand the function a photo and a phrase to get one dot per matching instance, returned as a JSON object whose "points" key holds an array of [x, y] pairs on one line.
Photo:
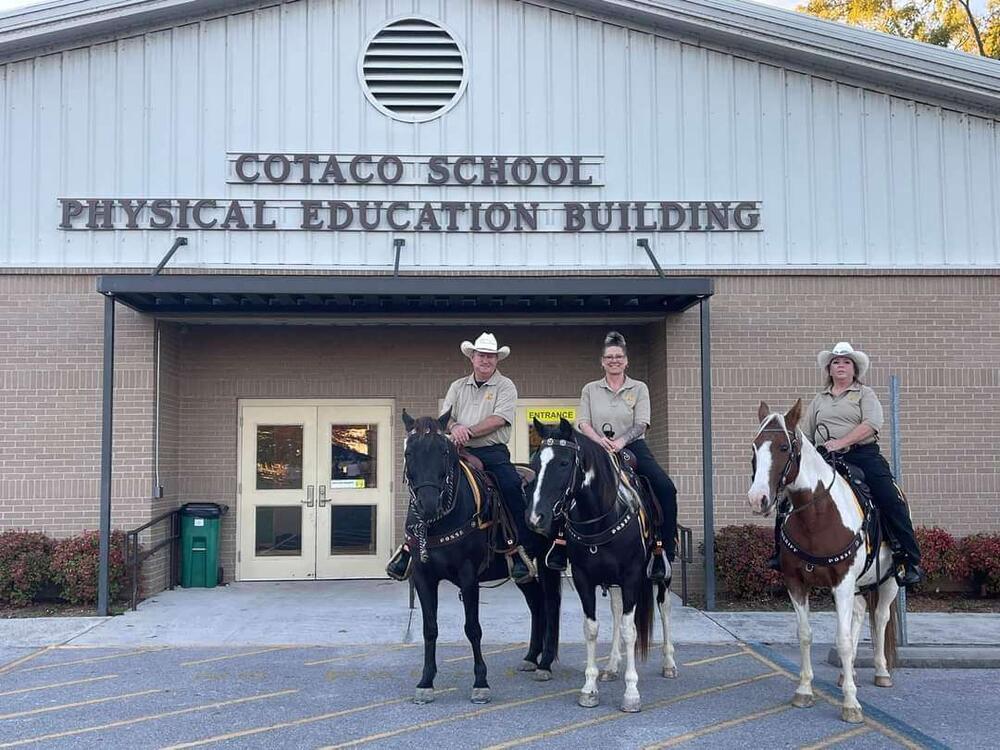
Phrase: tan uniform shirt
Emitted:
{"points": [[622, 409], [841, 414], [471, 404]]}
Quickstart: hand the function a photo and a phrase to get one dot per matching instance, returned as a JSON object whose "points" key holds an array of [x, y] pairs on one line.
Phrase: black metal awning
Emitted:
{"points": [[445, 296]]}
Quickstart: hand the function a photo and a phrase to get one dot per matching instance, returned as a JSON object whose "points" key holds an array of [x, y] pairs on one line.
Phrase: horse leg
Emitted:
{"points": [[614, 660], [428, 593], [663, 601], [474, 632], [843, 595], [886, 596], [803, 697], [533, 596], [588, 599], [630, 701], [857, 620], [551, 588]]}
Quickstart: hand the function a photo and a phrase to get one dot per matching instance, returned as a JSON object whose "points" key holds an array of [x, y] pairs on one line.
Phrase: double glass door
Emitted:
{"points": [[315, 489]]}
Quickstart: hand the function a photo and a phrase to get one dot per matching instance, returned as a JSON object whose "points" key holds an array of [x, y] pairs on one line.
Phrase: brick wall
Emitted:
{"points": [[939, 333]]}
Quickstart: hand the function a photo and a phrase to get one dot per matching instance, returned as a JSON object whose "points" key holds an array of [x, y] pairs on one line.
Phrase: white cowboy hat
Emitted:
{"points": [[487, 343], [843, 349]]}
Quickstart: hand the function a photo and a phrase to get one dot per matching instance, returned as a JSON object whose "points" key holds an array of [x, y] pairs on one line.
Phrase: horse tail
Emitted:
{"points": [[644, 617], [871, 598]]}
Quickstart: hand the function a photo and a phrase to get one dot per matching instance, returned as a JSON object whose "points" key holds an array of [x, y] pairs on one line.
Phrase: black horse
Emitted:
{"points": [[608, 545], [452, 540]]}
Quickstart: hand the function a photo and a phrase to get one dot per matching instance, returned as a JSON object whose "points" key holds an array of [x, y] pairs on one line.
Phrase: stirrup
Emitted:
{"points": [[532, 571], [395, 568], [656, 576], [555, 558]]}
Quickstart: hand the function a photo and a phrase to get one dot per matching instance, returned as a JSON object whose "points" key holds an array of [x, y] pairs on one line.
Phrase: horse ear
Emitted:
{"points": [[444, 419], [408, 421], [565, 428], [540, 428], [762, 411], [793, 416]]}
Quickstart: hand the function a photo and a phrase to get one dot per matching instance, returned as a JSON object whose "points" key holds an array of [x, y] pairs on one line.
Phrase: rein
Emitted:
{"points": [[447, 494]]}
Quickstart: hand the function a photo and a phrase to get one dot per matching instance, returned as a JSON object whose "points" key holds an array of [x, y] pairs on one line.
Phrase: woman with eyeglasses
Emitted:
{"points": [[618, 406]]}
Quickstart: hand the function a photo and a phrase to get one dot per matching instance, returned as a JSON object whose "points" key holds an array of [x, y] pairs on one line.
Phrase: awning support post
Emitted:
{"points": [[170, 254], [397, 246], [107, 410], [644, 244], [706, 454]]}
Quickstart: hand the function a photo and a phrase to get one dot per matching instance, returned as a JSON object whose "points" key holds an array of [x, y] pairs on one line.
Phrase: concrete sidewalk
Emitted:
{"points": [[327, 613]]}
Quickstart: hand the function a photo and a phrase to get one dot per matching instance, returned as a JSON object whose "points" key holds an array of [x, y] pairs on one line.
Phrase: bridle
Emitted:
{"points": [[562, 507], [794, 451], [447, 497]]}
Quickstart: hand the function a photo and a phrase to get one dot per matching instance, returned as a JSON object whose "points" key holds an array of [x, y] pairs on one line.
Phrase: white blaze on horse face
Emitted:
{"points": [[760, 489], [544, 458], [589, 477]]}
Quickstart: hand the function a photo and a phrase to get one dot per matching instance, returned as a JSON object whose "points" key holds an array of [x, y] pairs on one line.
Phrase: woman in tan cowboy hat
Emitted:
{"points": [[846, 418]]}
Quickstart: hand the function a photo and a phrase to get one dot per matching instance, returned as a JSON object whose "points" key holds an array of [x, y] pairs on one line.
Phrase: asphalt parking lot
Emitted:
{"points": [[730, 695]]}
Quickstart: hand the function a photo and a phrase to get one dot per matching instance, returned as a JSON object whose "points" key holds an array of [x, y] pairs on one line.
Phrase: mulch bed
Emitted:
{"points": [[55, 609]]}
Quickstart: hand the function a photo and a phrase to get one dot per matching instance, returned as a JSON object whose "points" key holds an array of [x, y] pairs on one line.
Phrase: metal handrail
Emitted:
{"points": [[687, 557], [134, 557]]}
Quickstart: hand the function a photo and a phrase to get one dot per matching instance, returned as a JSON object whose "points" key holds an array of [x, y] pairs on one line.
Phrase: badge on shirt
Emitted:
{"points": [[855, 397], [488, 396], [629, 398]]}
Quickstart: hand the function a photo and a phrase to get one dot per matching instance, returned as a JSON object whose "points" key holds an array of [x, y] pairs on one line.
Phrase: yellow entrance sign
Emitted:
{"points": [[552, 414]]}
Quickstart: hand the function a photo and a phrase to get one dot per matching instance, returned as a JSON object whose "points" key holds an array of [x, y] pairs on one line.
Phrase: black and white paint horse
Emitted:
{"points": [[450, 542], [578, 481]]}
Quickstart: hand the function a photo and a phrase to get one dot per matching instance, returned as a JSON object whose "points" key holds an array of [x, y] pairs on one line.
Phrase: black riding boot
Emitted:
{"points": [[556, 557], [399, 565]]}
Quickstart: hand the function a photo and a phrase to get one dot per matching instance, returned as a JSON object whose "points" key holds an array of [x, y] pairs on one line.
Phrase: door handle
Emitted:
{"points": [[309, 502], [322, 496]]}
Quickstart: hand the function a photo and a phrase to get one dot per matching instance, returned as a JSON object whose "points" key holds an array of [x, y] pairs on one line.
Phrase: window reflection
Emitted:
{"points": [[352, 529], [278, 531], [279, 457], [354, 463]]}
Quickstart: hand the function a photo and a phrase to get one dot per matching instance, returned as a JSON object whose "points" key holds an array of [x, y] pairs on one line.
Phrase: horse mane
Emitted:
{"points": [[595, 457]]}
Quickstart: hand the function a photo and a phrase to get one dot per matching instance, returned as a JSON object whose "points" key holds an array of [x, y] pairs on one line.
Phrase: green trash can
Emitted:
{"points": [[200, 544]]}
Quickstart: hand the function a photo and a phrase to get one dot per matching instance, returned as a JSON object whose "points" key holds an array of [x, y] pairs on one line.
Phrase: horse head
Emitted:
{"points": [[429, 460], [777, 452], [555, 464]]}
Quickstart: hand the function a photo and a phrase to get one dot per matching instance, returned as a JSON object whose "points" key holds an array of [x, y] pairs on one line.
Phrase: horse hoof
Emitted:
{"points": [[883, 680], [481, 695], [607, 676], [631, 705], [588, 700], [670, 672], [542, 675], [852, 715], [802, 700], [527, 666], [423, 695]]}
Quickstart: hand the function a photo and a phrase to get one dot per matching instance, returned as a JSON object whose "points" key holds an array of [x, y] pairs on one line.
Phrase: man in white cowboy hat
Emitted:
{"points": [[482, 411], [845, 418]]}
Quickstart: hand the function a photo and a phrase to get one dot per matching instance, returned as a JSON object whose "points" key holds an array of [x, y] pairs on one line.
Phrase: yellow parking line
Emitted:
{"points": [[140, 652], [618, 714], [518, 647], [711, 659], [237, 656], [363, 654], [9, 666], [905, 742], [59, 685], [718, 727], [90, 702], [446, 719], [835, 738], [295, 723], [140, 719]]}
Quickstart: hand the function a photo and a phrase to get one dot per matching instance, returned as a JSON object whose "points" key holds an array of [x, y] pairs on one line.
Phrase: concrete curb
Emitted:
{"points": [[931, 657]]}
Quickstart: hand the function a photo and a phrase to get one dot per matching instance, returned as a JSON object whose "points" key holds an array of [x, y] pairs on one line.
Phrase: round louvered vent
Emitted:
{"points": [[413, 69]]}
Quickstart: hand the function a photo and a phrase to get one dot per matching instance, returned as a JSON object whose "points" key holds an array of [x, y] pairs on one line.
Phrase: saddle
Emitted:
{"points": [[491, 511], [871, 524], [653, 514]]}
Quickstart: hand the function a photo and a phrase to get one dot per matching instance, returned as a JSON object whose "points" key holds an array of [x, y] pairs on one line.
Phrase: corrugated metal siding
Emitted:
{"points": [[846, 176]]}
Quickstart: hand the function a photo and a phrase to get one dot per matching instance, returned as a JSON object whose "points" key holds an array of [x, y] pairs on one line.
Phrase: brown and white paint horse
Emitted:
{"points": [[825, 521]]}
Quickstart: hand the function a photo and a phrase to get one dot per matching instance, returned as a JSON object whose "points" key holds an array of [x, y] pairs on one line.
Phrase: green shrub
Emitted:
{"points": [[978, 559], [741, 554], [24, 566], [75, 567], [939, 554]]}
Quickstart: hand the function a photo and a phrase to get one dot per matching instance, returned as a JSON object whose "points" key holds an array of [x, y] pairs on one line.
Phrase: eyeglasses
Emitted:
{"points": [[613, 357]]}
